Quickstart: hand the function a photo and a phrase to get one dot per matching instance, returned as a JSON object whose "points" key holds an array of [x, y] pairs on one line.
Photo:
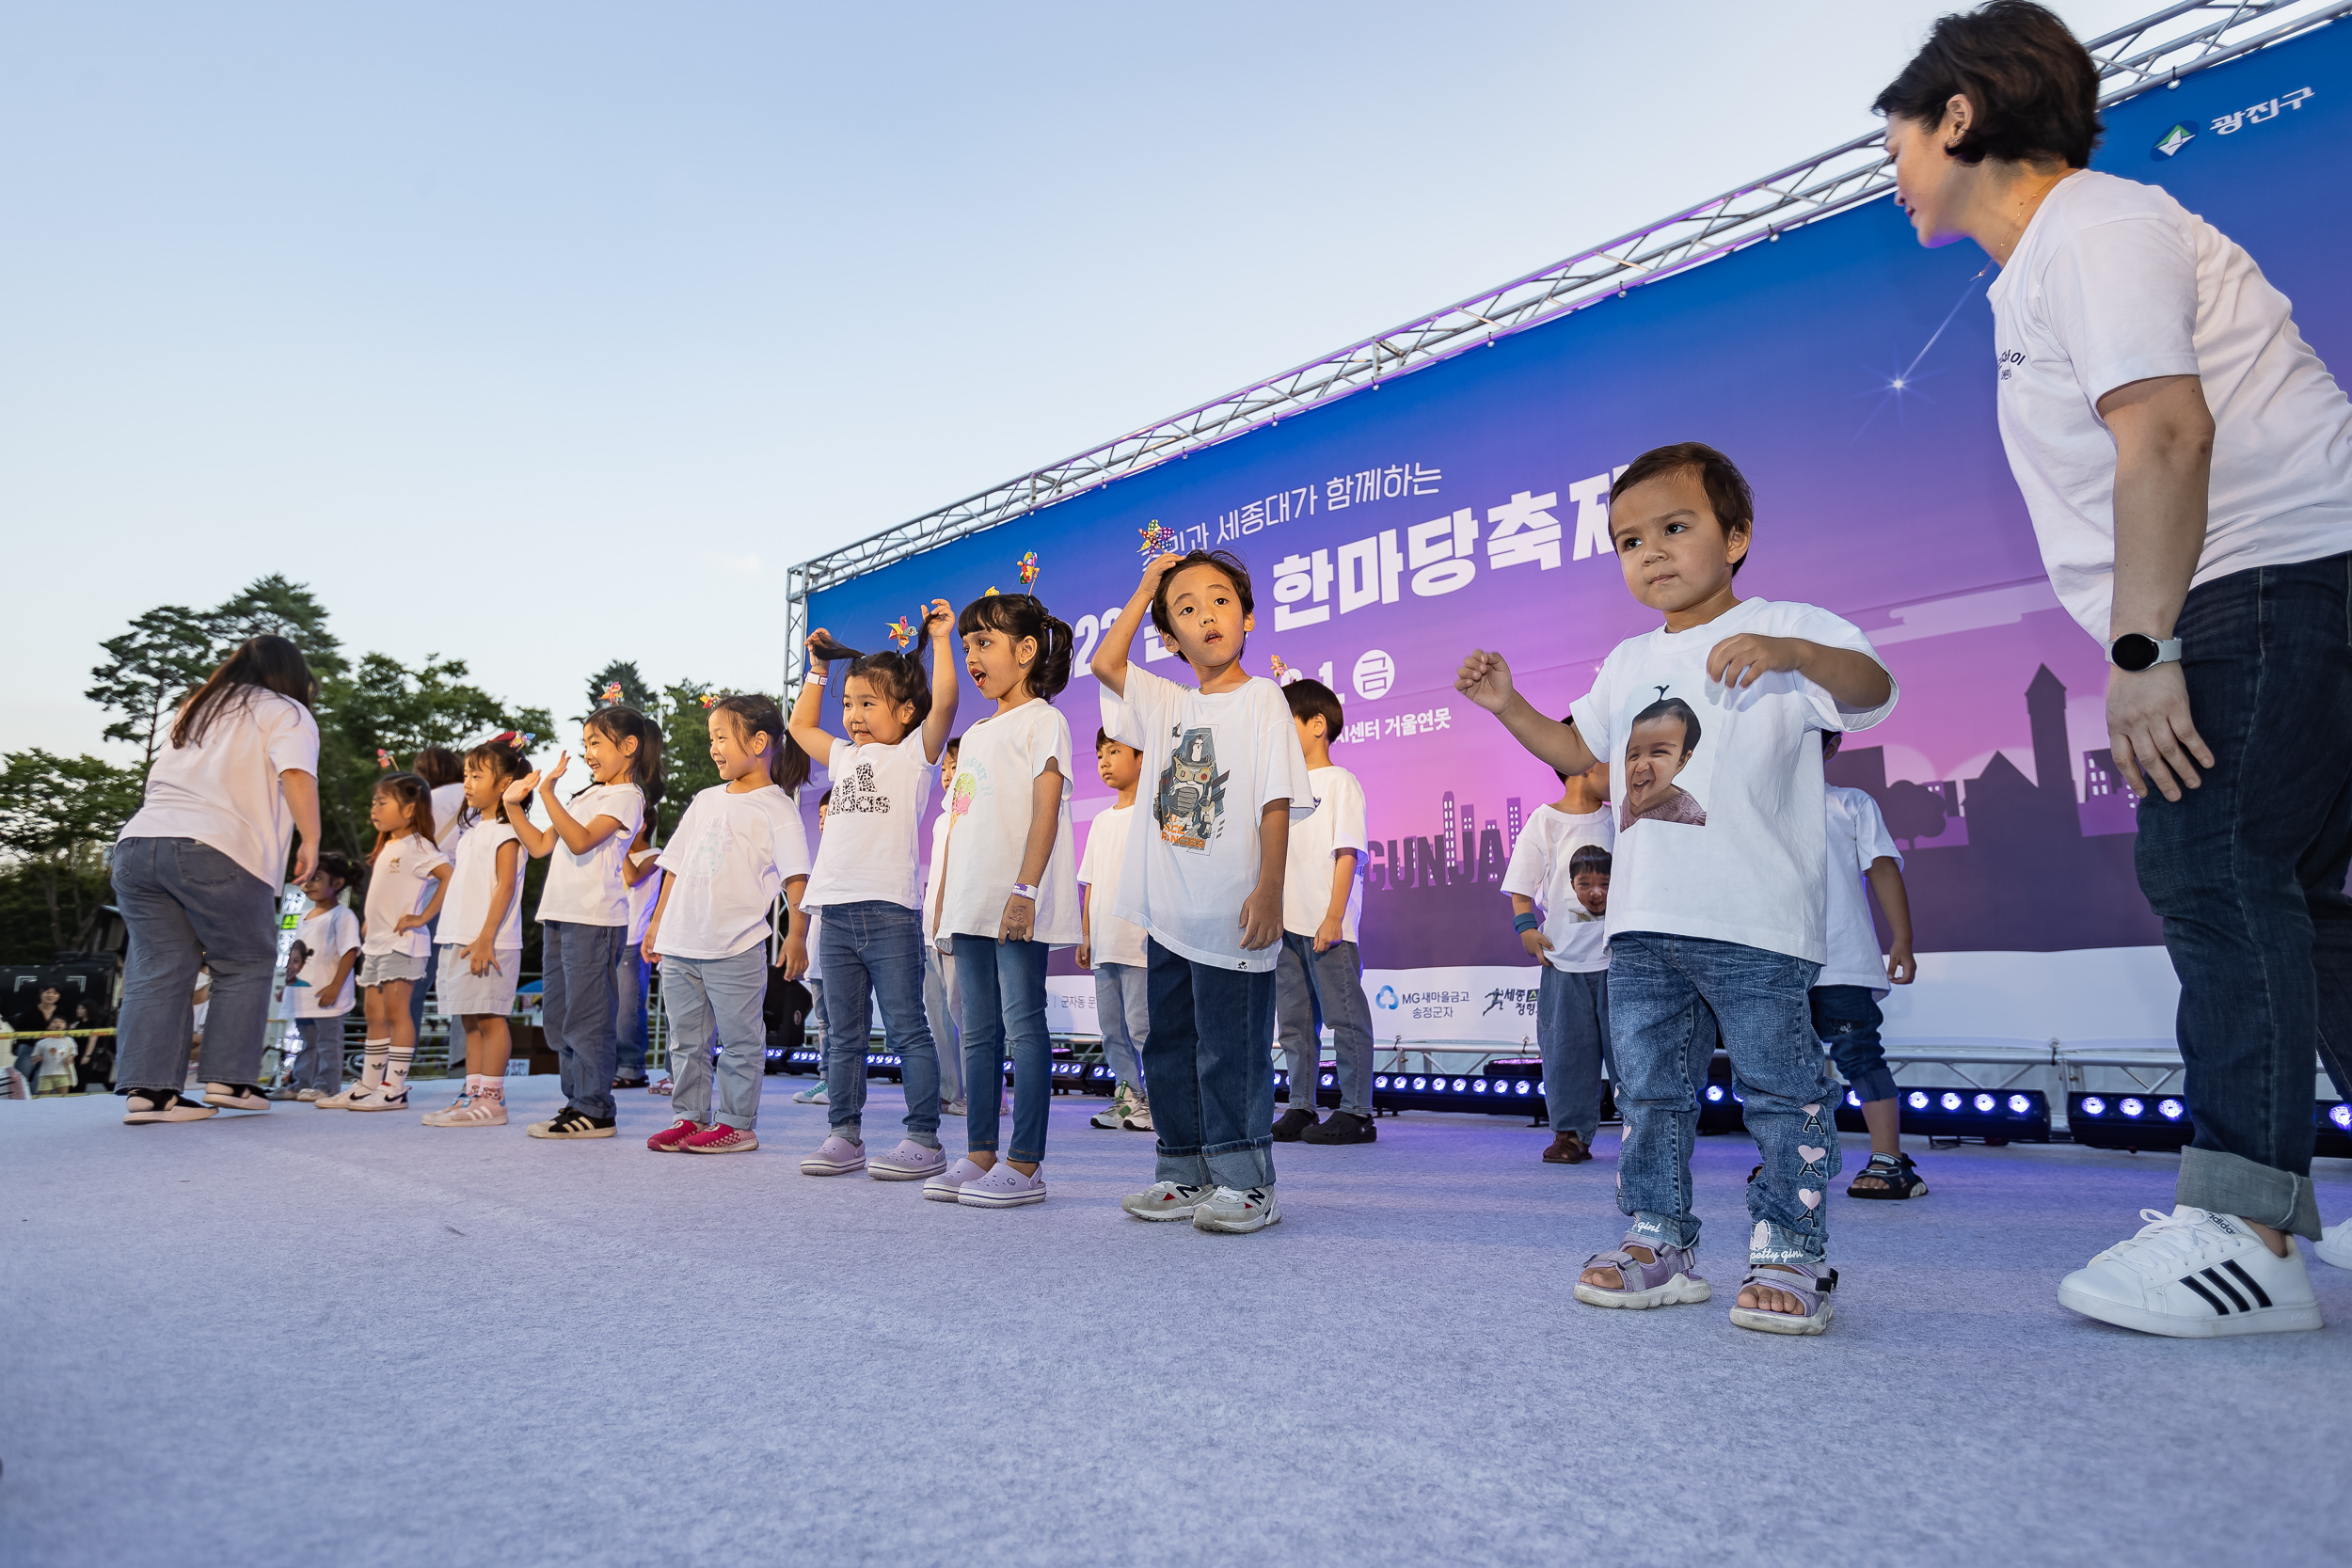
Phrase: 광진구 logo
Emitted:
{"points": [[2170, 143]]}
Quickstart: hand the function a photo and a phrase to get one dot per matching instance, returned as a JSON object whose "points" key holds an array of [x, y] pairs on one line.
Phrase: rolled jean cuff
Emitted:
{"points": [[1871, 1084], [1777, 1244], [1657, 1230], [2232, 1185]]}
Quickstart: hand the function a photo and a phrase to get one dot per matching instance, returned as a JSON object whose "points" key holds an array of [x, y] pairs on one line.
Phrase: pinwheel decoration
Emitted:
{"points": [[382, 757], [1029, 568], [902, 631], [991, 592], [1157, 540], [613, 691], [710, 698]]}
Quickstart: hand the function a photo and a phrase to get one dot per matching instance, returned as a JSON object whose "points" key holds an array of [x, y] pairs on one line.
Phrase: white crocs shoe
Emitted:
{"points": [[836, 1156], [909, 1162], [2194, 1274], [948, 1187], [1001, 1187]]}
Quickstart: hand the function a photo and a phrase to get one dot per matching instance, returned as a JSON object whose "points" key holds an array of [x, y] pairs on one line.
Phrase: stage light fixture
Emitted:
{"points": [[1460, 1087], [2089, 1105], [2020, 1104], [1715, 1094], [1522, 1087], [1998, 1117], [2170, 1109], [1853, 1100], [2131, 1106], [1917, 1099], [1951, 1101], [2341, 1115], [1984, 1102]]}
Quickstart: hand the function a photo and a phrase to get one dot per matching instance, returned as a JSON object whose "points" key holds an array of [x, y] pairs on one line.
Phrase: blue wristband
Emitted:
{"points": [[1526, 922]]}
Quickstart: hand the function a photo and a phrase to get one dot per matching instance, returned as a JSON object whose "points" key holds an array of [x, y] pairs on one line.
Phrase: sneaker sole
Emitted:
{"points": [[400, 1104], [826, 1167], [1781, 1322], [942, 1195], [1182, 1214], [1679, 1291], [1111, 1126], [141, 1118], [1228, 1227], [566, 1137], [746, 1147], [469, 1121], [236, 1104], [2263, 1320]]}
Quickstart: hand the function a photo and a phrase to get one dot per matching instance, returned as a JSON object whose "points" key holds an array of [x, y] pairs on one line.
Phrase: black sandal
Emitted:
{"points": [[1900, 1177]]}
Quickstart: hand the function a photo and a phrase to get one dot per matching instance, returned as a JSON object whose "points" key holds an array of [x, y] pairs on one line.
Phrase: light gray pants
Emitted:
{"points": [[1329, 984], [321, 1065], [1122, 1010], [715, 1002], [940, 999]]}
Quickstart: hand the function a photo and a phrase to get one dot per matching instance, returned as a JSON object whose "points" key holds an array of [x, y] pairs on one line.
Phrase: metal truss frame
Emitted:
{"points": [[2151, 54]]}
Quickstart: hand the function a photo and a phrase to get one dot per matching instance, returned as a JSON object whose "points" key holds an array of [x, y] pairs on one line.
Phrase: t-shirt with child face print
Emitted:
{"points": [[1718, 791]]}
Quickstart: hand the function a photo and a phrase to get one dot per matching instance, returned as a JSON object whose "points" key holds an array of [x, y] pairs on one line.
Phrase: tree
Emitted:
{"points": [[164, 655], [57, 814], [685, 751], [634, 691], [273, 606], [382, 705]]}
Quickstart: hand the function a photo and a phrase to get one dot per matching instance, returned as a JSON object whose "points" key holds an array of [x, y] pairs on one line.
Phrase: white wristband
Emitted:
{"points": [[1022, 890]]}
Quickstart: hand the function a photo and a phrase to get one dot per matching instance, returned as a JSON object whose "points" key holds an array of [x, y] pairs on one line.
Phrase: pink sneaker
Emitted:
{"points": [[670, 1138], [719, 1139]]}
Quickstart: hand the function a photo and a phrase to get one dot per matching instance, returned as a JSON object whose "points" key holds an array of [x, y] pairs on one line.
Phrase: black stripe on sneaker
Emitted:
{"points": [[2229, 1291], [2262, 1296], [2211, 1300]]}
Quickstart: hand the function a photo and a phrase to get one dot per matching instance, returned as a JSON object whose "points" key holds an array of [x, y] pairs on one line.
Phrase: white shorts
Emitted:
{"points": [[376, 968], [462, 993]]}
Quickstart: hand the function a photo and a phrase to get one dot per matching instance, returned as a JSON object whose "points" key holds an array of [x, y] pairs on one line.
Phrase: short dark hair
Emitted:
{"points": [[825, 800], [1727, 492], [1105, 738], [1225, 561], [1675, 708], [2034, 85], [437, 765], [1314, 700], [1589, 858]]}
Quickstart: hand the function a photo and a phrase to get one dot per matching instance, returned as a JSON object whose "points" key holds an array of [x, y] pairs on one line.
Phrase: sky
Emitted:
{"points": [[542, 335]]}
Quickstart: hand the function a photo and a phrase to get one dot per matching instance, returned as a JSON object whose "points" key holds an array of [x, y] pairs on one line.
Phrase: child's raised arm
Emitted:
{"points": [[1485, 679], [806, 725], [578, 836], [940, 621], [536, 841], [1110, 655]]}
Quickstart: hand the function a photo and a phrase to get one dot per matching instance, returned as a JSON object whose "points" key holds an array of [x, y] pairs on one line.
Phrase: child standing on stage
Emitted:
{"points": [[1854, 981], [740, 844], [407, 878], [1113, 948], [939, 981], [1320, 977], [868, 881], [1009, 894], [484, 958], [330, 934], [1716, 899], [642, 871], [813, 1031], [583, 908], [1203, 878], [1561, 866]]}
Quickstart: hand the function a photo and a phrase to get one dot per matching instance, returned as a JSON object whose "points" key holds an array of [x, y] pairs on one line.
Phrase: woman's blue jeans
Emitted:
{"points": [[1001, 986], [186, 905], [2247, 872]]}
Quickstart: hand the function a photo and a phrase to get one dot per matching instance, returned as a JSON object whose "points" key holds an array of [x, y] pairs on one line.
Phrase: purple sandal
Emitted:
{"points": [[1811, 1286], [1669, 1279]]}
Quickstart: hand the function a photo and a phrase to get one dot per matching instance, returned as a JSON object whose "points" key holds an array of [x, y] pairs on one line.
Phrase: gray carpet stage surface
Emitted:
{"points": [[321, 1338]]}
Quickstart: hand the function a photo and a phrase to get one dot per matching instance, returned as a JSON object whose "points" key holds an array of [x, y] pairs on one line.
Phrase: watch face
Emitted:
{"points": [[2135, 651]]}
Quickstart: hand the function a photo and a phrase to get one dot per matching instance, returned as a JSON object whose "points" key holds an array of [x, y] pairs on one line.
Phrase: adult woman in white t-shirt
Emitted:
{"points": [[196, 874], [2188, 462]]}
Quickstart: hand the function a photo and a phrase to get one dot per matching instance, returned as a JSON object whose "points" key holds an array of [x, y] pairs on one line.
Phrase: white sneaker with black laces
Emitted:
{"points": [[2194, 1274]]}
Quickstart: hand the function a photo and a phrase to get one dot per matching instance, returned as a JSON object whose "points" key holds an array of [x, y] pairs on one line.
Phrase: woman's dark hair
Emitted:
{"points": [[335, 866], [2034, 86], [1020, 615], [788, 765], [267, 662], [897, 676], [437, 765], [416, 800], [1314, 700], [1225, 561], [621, 722], [1727, 493], [1674, 709], [503, 755]]}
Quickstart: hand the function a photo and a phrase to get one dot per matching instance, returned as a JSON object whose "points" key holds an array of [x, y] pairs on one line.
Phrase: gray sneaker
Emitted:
{"points": [[1669, 1278], [1114, 1116], [1165, 1200], [1237, 1211]]}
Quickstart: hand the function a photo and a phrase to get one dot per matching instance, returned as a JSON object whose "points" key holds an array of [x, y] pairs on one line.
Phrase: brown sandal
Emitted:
{"points": [[1567, 1149]]}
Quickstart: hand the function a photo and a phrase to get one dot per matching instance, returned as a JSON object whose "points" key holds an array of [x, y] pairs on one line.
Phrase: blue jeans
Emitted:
{"points": [[1313, 988], [876, 947], [1122, 1010], [186, 905], [939, 1011], [1212, 1080], [321, 1063], [2247, 871], [1661, 991], [629, 1005], [576, 963], [1847, 1018], [715, 1003], [1004, 1004], [1572, 1031]]}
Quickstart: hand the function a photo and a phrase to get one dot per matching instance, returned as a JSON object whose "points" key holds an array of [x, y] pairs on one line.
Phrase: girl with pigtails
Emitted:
{"points": [[1009, 890]]}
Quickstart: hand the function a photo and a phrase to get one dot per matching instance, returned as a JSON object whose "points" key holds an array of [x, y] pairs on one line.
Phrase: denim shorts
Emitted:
{"points": [[376, 968]]}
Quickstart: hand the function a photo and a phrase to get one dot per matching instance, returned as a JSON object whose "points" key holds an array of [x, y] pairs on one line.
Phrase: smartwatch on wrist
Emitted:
{"points": [[2135, 651]]}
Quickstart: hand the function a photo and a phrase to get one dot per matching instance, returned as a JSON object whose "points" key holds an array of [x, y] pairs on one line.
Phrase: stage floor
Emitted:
{"points": [[316, 1337]]}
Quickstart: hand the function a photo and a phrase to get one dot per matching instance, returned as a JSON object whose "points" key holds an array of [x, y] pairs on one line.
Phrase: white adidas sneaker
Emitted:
{"points": [[2335, 1244], [2194, 1274]]}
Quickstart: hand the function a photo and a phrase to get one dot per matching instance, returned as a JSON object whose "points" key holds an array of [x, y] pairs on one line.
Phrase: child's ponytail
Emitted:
{"points": [[1020, 615]]}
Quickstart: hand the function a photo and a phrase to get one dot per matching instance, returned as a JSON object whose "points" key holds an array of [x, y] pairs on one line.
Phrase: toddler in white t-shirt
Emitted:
{"points": [[1854, 977], [1008, 890], [483, 958], [1716, 899], [866, 885], [408, 877], [1113, 948], [1204, 877], [1562, 865]]}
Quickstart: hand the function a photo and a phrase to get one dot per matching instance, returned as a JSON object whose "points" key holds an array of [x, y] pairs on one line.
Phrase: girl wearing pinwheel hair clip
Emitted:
{"points": [[483, 956]]}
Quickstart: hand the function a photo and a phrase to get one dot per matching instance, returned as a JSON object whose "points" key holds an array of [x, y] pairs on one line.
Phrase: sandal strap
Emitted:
{"points": [[1809, 1285]]}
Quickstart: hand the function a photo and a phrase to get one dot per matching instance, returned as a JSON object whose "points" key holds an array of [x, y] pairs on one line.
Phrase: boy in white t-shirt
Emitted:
{"points": [[1320, 977], [1716, 898], [330, 935], [1203, 878], [1113, 947], [1854, 979], [1562, 865]]}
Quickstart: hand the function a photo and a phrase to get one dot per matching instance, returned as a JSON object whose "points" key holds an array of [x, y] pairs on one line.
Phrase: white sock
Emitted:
{"points": [[396, 1070], [372, 1072]]}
